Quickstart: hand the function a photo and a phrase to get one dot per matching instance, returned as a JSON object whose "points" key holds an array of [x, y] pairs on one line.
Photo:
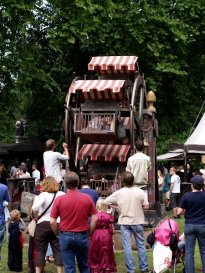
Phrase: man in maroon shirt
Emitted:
{"points": [[75, 209]]}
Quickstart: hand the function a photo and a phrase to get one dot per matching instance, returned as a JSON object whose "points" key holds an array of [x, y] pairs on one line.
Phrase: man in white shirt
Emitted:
{"points": [[175, 191], [35, 173], [53, 159], [130, 201], [139, 164]]}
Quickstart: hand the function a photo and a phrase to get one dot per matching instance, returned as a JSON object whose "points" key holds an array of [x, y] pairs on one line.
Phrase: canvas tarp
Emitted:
{"points": [[195, 143], [177, 154]]}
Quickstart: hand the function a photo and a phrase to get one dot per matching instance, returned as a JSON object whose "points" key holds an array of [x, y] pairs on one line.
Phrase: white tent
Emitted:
{"points": [[195, 144], [177, 154]]}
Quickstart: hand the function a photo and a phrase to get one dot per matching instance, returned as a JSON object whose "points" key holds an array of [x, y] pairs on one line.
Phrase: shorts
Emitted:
{"points": [[167, 194], [175, 199], [43, 236]]}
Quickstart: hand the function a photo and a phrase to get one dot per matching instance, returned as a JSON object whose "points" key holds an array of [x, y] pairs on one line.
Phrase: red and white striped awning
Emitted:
{"points": [[98, 89], [113, 64], [108, 151]]}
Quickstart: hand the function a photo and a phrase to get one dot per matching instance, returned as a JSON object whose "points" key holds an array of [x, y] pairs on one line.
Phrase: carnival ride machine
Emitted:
{"points": [[104, 116]]}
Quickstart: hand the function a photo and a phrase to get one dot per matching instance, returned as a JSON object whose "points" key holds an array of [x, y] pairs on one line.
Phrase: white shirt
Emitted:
{"points": [[42, 201], [52, 164], [130, 201], [139, 164], [25, 175], [175, 179], [36, 174]]}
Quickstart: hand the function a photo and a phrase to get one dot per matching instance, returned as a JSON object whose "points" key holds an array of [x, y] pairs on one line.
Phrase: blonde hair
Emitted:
{"points": [[15, 215], [49, 184], [50, 144], [101, 205]]}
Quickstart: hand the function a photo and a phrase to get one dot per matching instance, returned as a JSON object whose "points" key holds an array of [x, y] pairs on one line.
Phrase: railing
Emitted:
{"points": [[105, 187], [94, 122]]}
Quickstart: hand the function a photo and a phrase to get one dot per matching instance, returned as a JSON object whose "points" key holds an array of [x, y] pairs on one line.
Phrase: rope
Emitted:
{"points": [[196, 118]]}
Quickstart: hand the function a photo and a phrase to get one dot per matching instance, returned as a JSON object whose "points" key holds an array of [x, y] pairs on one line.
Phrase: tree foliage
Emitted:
{"points": [[43, 42]]}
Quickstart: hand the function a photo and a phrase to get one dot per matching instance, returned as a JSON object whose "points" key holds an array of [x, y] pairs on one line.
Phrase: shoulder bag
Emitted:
{"points": [[33, 223]]}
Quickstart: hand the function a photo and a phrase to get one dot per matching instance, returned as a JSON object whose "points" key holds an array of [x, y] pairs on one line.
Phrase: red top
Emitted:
{"points": [[74, 209]]}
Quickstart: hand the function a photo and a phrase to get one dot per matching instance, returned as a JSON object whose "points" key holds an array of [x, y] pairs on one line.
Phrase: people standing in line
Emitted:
{"points": [[36, 173], [3, 174], [139, 164], [175, 194], [92, 193], [202, 172], [75, 209], [160, 185], [44, 234], [167, 183], [14, 168], [15, 244], [101, 256], [189, 172], [53, 159], [25, 166], [193, 206], [4, 196], [23, 172], [130, 202]]}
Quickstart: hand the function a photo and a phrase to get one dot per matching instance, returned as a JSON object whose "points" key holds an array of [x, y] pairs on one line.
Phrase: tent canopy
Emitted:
{"points": [[195, 144], [177, 154]]}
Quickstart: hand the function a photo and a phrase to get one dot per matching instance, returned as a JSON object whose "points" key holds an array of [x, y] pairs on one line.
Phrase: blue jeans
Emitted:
{"points": [[74, 245], [193, 232], [138, 232], [2, 230]]}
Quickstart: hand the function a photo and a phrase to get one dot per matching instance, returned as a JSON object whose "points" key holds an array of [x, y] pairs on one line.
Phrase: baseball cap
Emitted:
{"points": [[202, 171], [197, 179]]}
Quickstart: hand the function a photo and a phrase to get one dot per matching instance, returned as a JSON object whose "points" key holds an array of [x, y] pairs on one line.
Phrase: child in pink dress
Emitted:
{"points": [[101, 257]]}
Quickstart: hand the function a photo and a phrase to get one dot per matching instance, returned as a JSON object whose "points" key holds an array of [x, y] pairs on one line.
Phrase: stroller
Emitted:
{"points": [[166, 251]]}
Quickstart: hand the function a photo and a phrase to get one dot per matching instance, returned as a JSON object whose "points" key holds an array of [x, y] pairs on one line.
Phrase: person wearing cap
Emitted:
{"points": [[192, 205]]}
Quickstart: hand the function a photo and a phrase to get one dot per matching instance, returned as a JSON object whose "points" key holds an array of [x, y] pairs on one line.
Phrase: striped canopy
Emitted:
{"points": [[108, 151], [92, 89], [113, 64]]}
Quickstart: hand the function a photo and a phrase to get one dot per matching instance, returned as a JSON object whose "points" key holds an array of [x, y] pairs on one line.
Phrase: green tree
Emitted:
{"points": [[44, 42]]}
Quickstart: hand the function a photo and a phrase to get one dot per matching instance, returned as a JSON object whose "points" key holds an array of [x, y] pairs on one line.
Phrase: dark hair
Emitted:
{"points": [[85, 182], [71, 180], [128, 179], [23, 168], [197, 186], [139, 145]]}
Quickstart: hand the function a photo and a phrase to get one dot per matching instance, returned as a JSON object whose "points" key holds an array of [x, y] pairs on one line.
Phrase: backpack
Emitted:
{"points": [[173, 243], [151, 238]]}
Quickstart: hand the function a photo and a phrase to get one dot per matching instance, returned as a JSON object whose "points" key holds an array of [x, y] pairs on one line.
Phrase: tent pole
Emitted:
{"points": [[185, 166]]}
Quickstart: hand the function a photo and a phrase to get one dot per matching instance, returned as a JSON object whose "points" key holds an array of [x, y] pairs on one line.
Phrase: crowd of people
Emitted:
{"points": [[78, 225]]}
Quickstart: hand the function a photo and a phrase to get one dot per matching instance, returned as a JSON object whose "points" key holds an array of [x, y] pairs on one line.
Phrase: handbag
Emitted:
{"points": [[33, 223], [32, 227], [151, 238]]}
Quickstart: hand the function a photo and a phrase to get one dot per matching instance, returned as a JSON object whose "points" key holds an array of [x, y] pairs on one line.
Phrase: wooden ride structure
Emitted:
{"points": [[104, 116]]}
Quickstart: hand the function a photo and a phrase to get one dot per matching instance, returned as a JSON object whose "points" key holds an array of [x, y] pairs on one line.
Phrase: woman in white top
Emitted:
{"points": [[44, 234]]}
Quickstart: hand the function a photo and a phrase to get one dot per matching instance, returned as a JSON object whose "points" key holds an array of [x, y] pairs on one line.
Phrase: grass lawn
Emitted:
{"points": [[119, 258]]}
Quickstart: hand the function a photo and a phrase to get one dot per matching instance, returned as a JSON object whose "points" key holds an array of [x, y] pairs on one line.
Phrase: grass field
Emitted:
{"points": [[119, 258]]}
